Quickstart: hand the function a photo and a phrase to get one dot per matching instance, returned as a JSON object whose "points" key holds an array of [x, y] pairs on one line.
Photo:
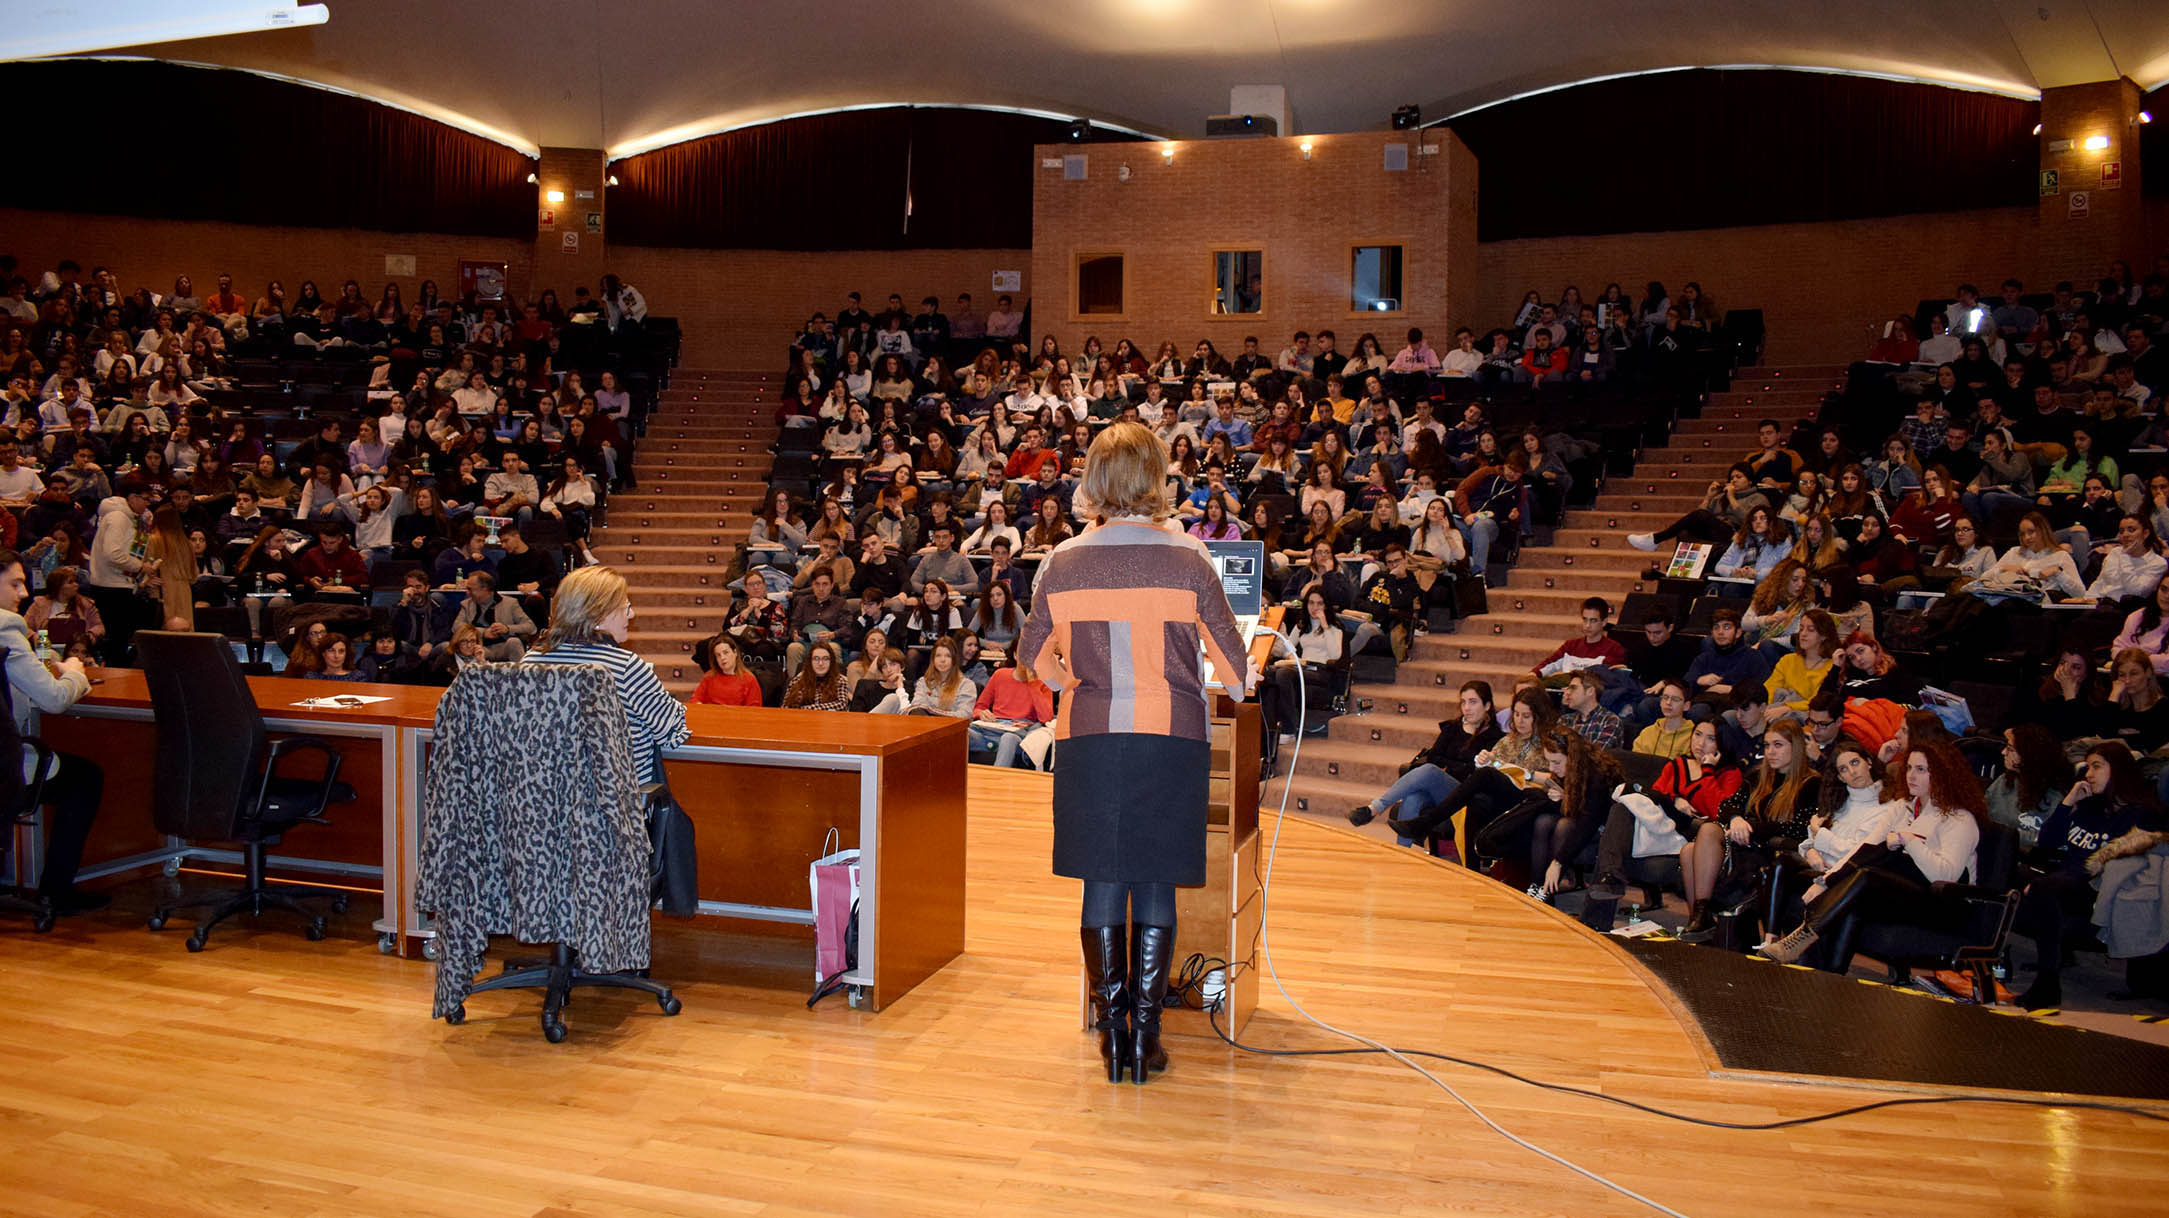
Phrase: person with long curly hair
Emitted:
{"points": [[1933, 839]]}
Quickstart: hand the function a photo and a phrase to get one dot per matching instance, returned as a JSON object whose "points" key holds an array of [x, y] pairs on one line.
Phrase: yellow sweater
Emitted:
{"points": [[1794, 674], [1657, 740]]}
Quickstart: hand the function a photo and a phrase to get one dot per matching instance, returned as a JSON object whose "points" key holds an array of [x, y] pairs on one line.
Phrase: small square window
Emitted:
{"points": [[1238, 281], [1099, 285], [1375, 279]]}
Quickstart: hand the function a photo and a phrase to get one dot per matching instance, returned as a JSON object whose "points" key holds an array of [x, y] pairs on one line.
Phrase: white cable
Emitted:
{"points": [[1265, 949]]}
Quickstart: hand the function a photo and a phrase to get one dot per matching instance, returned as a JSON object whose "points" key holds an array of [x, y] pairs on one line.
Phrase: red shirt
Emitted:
{"points": [[1706, 794], [1551, 360], [728, 689]]}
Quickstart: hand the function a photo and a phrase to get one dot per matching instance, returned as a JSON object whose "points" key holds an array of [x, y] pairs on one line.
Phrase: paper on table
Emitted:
{"points": [[341, 701]]}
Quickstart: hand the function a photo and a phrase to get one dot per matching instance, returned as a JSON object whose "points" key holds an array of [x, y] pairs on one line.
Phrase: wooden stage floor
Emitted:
{"points": [[271, 1075]]}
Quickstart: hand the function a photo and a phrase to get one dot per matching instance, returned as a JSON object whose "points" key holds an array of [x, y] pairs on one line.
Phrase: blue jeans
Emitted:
{"points": [[1982, 504], [1418, 791], [1479, 532], [1004, 741]]}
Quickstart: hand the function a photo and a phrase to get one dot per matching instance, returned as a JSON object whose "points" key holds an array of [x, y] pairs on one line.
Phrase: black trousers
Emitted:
{"points": [[125, 611], [2048, 905], [73, 795]]}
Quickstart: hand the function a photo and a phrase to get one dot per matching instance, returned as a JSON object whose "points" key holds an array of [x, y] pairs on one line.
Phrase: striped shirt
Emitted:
{"points": [[1117, 617], [654, 719]]}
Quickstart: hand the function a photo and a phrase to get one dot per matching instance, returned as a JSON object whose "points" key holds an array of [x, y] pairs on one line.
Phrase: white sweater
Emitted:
{"points": [[1862, 818], [1943, 847]]}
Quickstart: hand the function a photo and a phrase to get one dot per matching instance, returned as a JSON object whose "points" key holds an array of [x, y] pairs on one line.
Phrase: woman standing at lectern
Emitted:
{"points": [[1117, 617]]}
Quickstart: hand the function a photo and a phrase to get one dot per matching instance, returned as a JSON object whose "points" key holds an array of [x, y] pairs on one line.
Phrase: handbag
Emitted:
{"points": [[673, 861]]}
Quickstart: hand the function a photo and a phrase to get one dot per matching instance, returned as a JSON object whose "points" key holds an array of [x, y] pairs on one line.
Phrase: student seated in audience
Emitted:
{"points": [[2036, 773], [1585, 716], [943, 689], [1499, 776], [1773, 612], [2132, 567], [334, 661], [819, 684], [1430, 777], [1854, 812], [1932, 838], [2109, 799], [504, 627], [1797, 674], [1690, 790], [1319, 642], [2037, 558], [1671, 734], [2134, 710], [1553, 825], [1013, 703], [1725, 510]]}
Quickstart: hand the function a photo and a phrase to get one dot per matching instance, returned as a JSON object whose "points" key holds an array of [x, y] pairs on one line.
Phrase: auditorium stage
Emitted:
{"points": [[274, 1075]]}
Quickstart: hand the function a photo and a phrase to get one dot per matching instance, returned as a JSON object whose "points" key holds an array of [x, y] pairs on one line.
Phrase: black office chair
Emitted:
{"points": [[22, 801], [217, 774]]}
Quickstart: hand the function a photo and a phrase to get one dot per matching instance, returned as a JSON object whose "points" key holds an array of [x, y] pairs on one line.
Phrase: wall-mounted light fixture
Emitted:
{"points": [[613, 179], [531, 179], [2096, 143], [1305, 146], [1167, 152], [554, 196]]}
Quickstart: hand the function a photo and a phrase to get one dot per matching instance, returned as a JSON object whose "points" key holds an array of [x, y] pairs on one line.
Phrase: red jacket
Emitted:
{"points": [[1551, 361]]}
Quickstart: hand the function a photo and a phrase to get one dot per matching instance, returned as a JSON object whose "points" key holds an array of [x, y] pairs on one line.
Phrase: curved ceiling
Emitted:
{"points": [[547, 72]]}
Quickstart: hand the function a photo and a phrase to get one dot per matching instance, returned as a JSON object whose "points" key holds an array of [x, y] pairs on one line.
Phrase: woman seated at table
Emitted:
{"points": [[727, 683], [2111, 798], [1933, 838], [63, 612], [590, 616], [1500, 776]]}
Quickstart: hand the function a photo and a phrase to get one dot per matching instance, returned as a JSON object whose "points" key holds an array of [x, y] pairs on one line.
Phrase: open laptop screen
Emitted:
{"points": [[1241, 565]]}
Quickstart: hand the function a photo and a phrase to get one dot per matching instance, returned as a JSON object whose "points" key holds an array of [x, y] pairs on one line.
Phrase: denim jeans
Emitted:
{"points": [[1418, 791], [1004, 741], [1479, 532]]}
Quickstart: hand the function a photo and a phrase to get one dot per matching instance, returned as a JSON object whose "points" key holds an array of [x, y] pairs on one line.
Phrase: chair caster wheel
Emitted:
{"points": [[338, 904], [197, 940], [157, 921], [554, 1031], [171, 868], [387, 944], [41, 922], [456, 1016], [314, 931], [670, 1004], [429, 950]]}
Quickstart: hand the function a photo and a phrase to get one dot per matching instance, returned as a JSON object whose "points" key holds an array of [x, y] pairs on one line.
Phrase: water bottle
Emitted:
{"points": [[1634, 912], [44, 649]]}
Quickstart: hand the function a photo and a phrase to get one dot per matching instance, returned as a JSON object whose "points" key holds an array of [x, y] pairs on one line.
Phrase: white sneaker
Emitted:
{"points": [[1642, 541]]}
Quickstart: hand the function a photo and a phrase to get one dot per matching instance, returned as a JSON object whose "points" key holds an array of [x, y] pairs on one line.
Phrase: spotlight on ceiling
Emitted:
{"points": [[1407, 118], [1080, 131]]}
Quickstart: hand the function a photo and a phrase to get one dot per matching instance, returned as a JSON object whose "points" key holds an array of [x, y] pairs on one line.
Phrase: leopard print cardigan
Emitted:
{"points": [[532, 822]]}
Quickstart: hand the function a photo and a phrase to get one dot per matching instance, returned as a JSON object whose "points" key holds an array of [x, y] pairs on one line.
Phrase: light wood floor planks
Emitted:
{"points": [[271, 1075]]}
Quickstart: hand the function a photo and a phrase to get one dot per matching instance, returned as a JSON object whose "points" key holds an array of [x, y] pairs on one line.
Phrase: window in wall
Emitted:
{"points": [[1099, 285], [1375, 279], [1238, 281]]}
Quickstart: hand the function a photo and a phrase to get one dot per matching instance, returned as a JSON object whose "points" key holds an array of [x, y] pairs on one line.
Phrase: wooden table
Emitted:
{"points": [[764, 788]]}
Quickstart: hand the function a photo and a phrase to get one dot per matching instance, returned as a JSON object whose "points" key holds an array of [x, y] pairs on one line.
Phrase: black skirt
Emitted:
{"points": [[1130, 808]]}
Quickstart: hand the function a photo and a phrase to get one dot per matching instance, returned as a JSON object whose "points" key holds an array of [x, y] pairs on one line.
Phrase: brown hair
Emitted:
{"points": [[1125, 474]]}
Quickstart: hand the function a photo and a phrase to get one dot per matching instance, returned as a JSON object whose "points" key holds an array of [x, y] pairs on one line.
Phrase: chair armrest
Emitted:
{"points": [[34, 790], [286, 745]]}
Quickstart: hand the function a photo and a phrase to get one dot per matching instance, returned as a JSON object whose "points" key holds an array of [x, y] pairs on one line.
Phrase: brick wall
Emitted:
{"points": [[150, 253], [1819, 285], [1254, 194], [740, 308]]}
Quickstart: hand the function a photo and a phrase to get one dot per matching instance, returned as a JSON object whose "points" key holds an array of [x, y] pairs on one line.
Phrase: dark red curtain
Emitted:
{"points": [[2154, 144], [1710, 149], [838, 182], [165, 141]]}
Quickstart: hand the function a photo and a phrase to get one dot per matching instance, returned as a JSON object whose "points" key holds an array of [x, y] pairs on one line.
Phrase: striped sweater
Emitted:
{"points": [[654, 719], [1117, 616]]}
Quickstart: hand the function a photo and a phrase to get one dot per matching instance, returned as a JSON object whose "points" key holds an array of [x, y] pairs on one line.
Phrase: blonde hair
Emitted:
{"points": [[583, 600], [1125, 474]]}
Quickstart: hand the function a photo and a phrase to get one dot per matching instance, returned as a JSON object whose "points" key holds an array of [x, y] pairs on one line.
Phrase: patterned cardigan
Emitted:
{"points": [[532, 822], [1117, 617]]}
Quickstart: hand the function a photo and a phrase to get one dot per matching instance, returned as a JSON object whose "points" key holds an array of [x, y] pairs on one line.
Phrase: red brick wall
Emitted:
{"points": [[151, 252], [740, 308], [1254, 194], [1819, 285]]}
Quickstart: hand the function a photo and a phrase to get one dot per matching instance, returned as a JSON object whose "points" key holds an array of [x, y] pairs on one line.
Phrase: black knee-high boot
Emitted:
{"points": [[1150, 950], [1107, 960]]}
